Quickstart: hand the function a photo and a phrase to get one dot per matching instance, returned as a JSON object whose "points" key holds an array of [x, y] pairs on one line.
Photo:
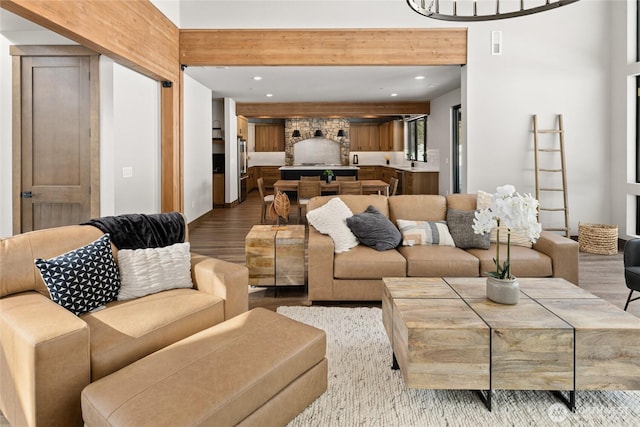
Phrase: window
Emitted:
{"points": [[417, 139]]}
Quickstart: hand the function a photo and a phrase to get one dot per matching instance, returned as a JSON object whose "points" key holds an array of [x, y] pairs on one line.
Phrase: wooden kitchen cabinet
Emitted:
{"points": [[269, 137], [243, 127], [251, 180], [387, 174], [218, 190], [397, 144], [367, 172], [420, 183], [392, 136], [386, 136], [364, 137]]}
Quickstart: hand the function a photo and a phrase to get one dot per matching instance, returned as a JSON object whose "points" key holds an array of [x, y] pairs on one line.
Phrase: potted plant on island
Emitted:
{"points": [[328, 175], [517, 213]]}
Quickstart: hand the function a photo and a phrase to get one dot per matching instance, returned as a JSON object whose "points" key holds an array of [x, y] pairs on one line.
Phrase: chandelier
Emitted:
{"points": [[482, 10]]}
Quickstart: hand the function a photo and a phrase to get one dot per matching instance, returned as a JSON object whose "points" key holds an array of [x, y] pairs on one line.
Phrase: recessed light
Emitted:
{"points": [[394, 94], [257, 78], [269, 95], [419, 77]]}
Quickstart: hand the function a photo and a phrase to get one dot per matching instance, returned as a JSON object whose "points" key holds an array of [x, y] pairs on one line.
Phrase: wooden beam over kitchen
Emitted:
{"points": [[317, 47], [331, 109]]}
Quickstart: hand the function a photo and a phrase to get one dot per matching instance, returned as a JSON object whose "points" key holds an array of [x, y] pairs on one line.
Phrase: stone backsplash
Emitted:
{"points": [[308, 127]]}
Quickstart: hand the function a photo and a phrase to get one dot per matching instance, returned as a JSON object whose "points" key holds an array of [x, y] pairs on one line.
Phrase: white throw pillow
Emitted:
{"points": [[483, 201], [331, 219], [152, 270]]}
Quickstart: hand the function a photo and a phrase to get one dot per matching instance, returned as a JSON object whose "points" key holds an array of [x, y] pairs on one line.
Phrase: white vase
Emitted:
{"points": [[503, 291]]}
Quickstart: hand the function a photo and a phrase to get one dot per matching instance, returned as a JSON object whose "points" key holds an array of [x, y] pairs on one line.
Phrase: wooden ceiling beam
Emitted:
{"points": [[133, 33], [318, 47], [331, 109]]}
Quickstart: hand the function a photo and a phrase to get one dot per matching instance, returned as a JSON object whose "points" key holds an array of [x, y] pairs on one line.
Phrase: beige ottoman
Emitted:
{"points": [[259, 368]]}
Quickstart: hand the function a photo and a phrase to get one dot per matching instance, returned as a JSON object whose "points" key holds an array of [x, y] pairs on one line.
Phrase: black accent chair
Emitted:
{"points": [[632, 268]]}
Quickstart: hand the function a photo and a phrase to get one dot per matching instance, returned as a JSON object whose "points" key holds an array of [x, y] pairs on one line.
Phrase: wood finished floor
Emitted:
{"points": [[221, 234]]}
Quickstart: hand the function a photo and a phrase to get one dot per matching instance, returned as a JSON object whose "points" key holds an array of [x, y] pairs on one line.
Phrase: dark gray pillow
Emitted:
{"points": [[373, 229], [464, 237]]}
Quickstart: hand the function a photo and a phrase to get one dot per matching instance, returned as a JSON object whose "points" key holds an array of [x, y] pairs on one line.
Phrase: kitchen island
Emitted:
{"points": [[296, 171]]}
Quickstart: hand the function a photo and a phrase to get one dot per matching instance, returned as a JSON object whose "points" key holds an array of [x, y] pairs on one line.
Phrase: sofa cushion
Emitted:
{"points": [[148, 271], [374, 229], [126, 331], [425, 233], [462, 202], [363, 262], [419, 207], [525, 262], [439, 261], [82, 279], [330, 219], [460, 226]]}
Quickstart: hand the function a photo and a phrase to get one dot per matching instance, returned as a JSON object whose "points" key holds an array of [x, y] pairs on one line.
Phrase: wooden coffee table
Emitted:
{"points": [[445, 334]]}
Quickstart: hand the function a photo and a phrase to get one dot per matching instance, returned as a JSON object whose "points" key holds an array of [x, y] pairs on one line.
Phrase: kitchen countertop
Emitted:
{"points": [[429, 168]]}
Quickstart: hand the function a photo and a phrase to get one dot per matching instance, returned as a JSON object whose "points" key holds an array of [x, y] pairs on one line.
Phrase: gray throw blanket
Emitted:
{"points": [[140, 231]]}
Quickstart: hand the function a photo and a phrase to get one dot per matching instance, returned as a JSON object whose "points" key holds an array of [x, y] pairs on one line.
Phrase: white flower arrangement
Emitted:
{"points": [[519, 213]]}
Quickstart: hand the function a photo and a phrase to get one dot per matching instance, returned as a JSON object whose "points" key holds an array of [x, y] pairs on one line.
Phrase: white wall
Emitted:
{"points": [[198, 165], [553, 62], [439, 134], [231, 151], [136, 144], [623, 189]]}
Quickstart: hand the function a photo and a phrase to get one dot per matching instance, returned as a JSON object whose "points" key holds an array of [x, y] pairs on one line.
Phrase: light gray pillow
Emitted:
{"points": [[373, 229], [464, 237], [152, 270]]}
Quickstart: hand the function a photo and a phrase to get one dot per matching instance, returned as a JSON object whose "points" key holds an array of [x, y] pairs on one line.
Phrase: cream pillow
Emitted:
{"points": [[483, 202], [331, 219], [425, 233], [152, 270]]}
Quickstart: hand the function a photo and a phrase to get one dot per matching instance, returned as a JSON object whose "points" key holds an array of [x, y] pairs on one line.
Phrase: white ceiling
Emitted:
{"points": [[302, 84], [328, 84]]}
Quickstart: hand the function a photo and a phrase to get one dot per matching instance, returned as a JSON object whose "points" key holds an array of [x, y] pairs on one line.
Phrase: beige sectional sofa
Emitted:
{"points": [[48, 354], [357, 274]]}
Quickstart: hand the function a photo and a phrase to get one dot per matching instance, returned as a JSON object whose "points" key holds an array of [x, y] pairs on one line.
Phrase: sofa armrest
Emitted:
{"points": [[321, 251], [222, 278], [44, 362], [563, 253]]}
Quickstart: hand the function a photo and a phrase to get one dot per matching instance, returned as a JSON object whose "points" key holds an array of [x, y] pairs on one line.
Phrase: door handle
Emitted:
{"points": [[26, 194]]}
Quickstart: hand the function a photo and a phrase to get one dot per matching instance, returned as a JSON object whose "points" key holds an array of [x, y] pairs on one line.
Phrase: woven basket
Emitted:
{"points": [[598, 239]]}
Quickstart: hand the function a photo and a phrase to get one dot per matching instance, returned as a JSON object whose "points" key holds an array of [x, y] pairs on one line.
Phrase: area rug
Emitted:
{"points": [[363, 389]]}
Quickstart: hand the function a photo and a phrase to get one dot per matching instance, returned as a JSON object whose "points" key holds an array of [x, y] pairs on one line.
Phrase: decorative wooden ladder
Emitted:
{"points": [[550, 171]]}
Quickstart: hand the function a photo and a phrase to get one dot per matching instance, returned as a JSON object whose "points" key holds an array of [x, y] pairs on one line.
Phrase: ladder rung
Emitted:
{"points": [[553, 209], [549, 150], [551, 189], [556, 229], [550, 170], [550, 131]]}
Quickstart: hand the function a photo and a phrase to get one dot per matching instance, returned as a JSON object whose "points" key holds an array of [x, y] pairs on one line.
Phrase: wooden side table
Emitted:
{"points": [[275, 255]]}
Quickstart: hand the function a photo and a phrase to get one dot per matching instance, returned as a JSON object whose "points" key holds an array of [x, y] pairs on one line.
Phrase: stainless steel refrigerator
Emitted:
{"points": [[243, 160]]}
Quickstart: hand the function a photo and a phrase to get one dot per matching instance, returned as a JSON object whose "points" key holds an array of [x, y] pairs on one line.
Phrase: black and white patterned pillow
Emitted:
{"points": [[84, 278]]}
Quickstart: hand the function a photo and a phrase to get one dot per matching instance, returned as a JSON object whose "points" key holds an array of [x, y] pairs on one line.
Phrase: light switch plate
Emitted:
{"points": [[127, 172], [496, 42]]}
